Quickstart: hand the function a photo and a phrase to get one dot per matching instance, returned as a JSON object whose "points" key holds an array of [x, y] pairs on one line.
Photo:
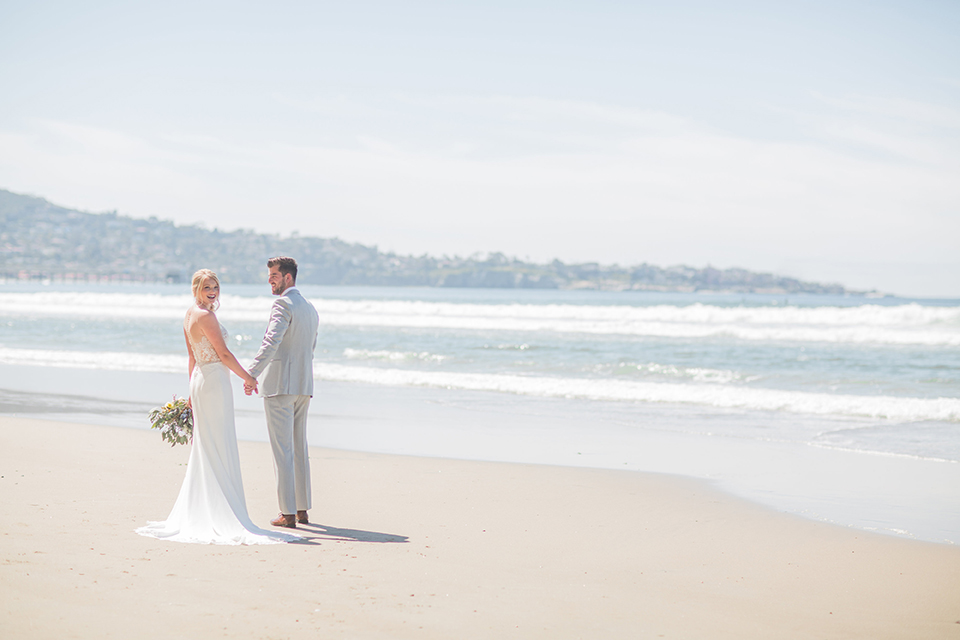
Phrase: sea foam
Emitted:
{"points": [[705, 394], [106, 360], [697, 393], [907, 324]]}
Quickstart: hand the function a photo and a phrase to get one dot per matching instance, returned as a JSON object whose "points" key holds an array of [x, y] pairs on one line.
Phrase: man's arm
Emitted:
{"points": [[280, 315]]}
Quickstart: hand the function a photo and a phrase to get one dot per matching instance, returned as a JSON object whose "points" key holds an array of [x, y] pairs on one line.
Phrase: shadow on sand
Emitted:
{"points": [[326, 532]]}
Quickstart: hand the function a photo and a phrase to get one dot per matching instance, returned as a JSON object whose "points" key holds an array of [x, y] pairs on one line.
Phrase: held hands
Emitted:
{"points": [[250, 385]]}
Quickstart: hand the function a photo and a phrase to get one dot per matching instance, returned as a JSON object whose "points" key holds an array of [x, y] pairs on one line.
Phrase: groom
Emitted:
{"points": [[286, 361]]}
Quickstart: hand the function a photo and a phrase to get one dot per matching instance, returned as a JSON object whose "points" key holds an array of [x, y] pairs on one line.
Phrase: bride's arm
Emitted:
{"points": [[211, 328]]}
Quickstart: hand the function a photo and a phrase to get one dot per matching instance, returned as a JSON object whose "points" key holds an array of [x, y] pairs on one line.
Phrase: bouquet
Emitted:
{"points": [[175, 421]]}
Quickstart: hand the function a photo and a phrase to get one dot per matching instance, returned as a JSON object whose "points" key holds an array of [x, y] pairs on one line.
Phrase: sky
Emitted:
{"points": [[819, 140]]}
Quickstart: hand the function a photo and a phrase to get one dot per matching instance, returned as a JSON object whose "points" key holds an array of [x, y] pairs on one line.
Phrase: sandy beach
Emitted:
{"points": [[433, 548]]}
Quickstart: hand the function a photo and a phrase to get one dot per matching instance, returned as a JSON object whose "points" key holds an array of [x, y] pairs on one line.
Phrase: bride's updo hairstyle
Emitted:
{"points": [[199, 278]]}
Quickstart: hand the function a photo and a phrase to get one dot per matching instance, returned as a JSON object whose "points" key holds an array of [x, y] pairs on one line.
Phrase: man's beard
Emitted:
{"points": [[279, 288]]}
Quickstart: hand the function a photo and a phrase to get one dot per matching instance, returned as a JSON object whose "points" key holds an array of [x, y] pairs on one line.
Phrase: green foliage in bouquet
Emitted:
{"points": [[175, 421]]}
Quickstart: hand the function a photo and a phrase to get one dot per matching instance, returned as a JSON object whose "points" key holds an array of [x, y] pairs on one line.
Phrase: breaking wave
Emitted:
{"points": [[707, 394], [705, 390], [907, 324]]}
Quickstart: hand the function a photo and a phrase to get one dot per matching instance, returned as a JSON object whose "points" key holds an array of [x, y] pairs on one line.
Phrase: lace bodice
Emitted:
{"points": [[203, 351]]}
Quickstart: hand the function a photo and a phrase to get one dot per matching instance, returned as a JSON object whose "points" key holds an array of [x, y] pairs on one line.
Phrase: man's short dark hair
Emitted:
{"points": [[284, 265]]}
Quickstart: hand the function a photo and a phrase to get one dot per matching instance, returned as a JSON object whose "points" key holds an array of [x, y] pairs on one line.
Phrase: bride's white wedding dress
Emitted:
{"points": [[211, 508]]}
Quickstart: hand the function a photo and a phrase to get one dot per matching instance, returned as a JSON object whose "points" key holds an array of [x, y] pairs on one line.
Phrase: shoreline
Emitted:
{"points": [[437, 548], [900, 496]]}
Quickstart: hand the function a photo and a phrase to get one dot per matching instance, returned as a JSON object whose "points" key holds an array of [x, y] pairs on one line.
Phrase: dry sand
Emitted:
{"points": [[430, 548]]}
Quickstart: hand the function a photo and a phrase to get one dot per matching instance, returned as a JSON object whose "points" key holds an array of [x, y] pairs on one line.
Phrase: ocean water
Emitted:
{"points": [[846, 409]]}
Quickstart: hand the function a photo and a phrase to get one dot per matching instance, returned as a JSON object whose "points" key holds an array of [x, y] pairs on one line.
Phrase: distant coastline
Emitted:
{"points": [[46, 242]]}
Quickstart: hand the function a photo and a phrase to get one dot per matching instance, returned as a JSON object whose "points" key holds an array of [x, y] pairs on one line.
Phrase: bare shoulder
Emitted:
{"points": [[202, 318], [195, 313], [205, 317]]}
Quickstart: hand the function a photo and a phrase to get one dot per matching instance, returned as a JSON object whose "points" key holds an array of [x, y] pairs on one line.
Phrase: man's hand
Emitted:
{"points": [[250, 389]]}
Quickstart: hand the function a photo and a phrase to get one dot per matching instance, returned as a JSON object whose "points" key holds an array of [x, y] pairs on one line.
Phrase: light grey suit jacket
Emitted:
{"points": [[286, 355]]}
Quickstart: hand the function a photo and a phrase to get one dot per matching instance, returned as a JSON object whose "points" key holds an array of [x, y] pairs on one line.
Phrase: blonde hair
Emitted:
{"points": [[199, 278]]}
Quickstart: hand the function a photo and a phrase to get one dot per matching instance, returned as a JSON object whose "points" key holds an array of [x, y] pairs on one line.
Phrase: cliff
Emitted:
{"points": [[40, 240]]}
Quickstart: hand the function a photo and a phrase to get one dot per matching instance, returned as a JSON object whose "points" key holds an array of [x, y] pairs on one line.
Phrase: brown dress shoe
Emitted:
{"points": [[302, 517], [285, 521]]}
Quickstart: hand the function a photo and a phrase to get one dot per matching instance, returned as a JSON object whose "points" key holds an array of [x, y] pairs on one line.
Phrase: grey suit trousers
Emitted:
{"points": [[287, 426]]}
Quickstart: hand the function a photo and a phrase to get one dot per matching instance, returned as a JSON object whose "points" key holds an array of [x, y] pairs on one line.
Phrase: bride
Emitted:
{"points": [[211, 508]]}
